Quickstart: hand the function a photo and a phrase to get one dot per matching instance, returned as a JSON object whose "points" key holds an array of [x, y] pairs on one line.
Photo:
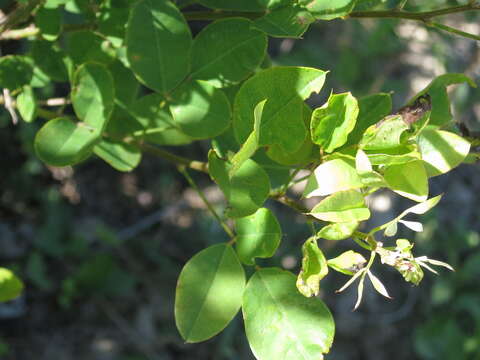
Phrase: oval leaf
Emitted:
{"points": [[258, 235], [93, 95], [10, 285], [409, 180], [314, 269], [200, 110], [285, 88], [333, 176], [441, 150], [289, 21], [158, 44], [344, 206], [61, 142], [209, 293], [227, 51], [332, 123], [121, 156], [281, 323], [15, 72]]}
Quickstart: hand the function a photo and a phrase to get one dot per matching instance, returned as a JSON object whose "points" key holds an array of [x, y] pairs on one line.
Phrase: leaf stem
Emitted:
{"points": [[179, 160], [183, 170]]}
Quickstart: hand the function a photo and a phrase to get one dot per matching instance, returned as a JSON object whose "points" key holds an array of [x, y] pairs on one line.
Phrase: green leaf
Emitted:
{"points": [[373, 108], [121, 156], [281, 323], [328, 10], [244, 5], [285, 88], [158, 44], [200, 110], [112, 20], [307, 153], [384, 136], [437, 90], [10, 285], [250, 146], [49, 21], [399, 155], [314, 269], [83, 46], [209, 293], [227, 51], [258, 235], [333, 176], [246, 190], [61, 142], [286, 22], [27, 104], [347, 263], [332, 123], [338, 231], [441, 150], [126, 85], [51, 60], [409, 180], [343, 206], [93, 95], [15, 72]]}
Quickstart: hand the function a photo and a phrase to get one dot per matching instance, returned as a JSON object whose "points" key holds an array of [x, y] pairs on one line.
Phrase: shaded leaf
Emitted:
{"points": [[289, 21], [121, 156], [160, 64], [227, 51]]}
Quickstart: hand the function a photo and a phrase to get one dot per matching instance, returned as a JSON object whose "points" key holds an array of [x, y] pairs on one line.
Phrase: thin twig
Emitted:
{"points": [[179, 160], [9, 104], [192, 183]]}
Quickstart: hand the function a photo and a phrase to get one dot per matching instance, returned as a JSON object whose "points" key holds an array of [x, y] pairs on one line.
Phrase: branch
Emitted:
{"points": [[418, 16], [21, 13], [32, 30], [179, 160]]}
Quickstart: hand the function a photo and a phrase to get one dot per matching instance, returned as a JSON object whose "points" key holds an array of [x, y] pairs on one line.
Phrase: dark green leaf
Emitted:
{"points": [[158, 44], [121, 156], [83, 46], [227, 51], [51, 60], [15, 72], [289, 21], [209, 293], [49, 21], [244, 5]]}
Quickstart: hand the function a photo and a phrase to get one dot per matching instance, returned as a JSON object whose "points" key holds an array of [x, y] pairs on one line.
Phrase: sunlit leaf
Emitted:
{"points": [[343, 206], [258, 235], [10, 285], [280, 322], [209, 293], [314, 268]]}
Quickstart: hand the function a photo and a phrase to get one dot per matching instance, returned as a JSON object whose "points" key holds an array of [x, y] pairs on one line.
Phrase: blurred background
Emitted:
{"points": [[100, 251]]}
